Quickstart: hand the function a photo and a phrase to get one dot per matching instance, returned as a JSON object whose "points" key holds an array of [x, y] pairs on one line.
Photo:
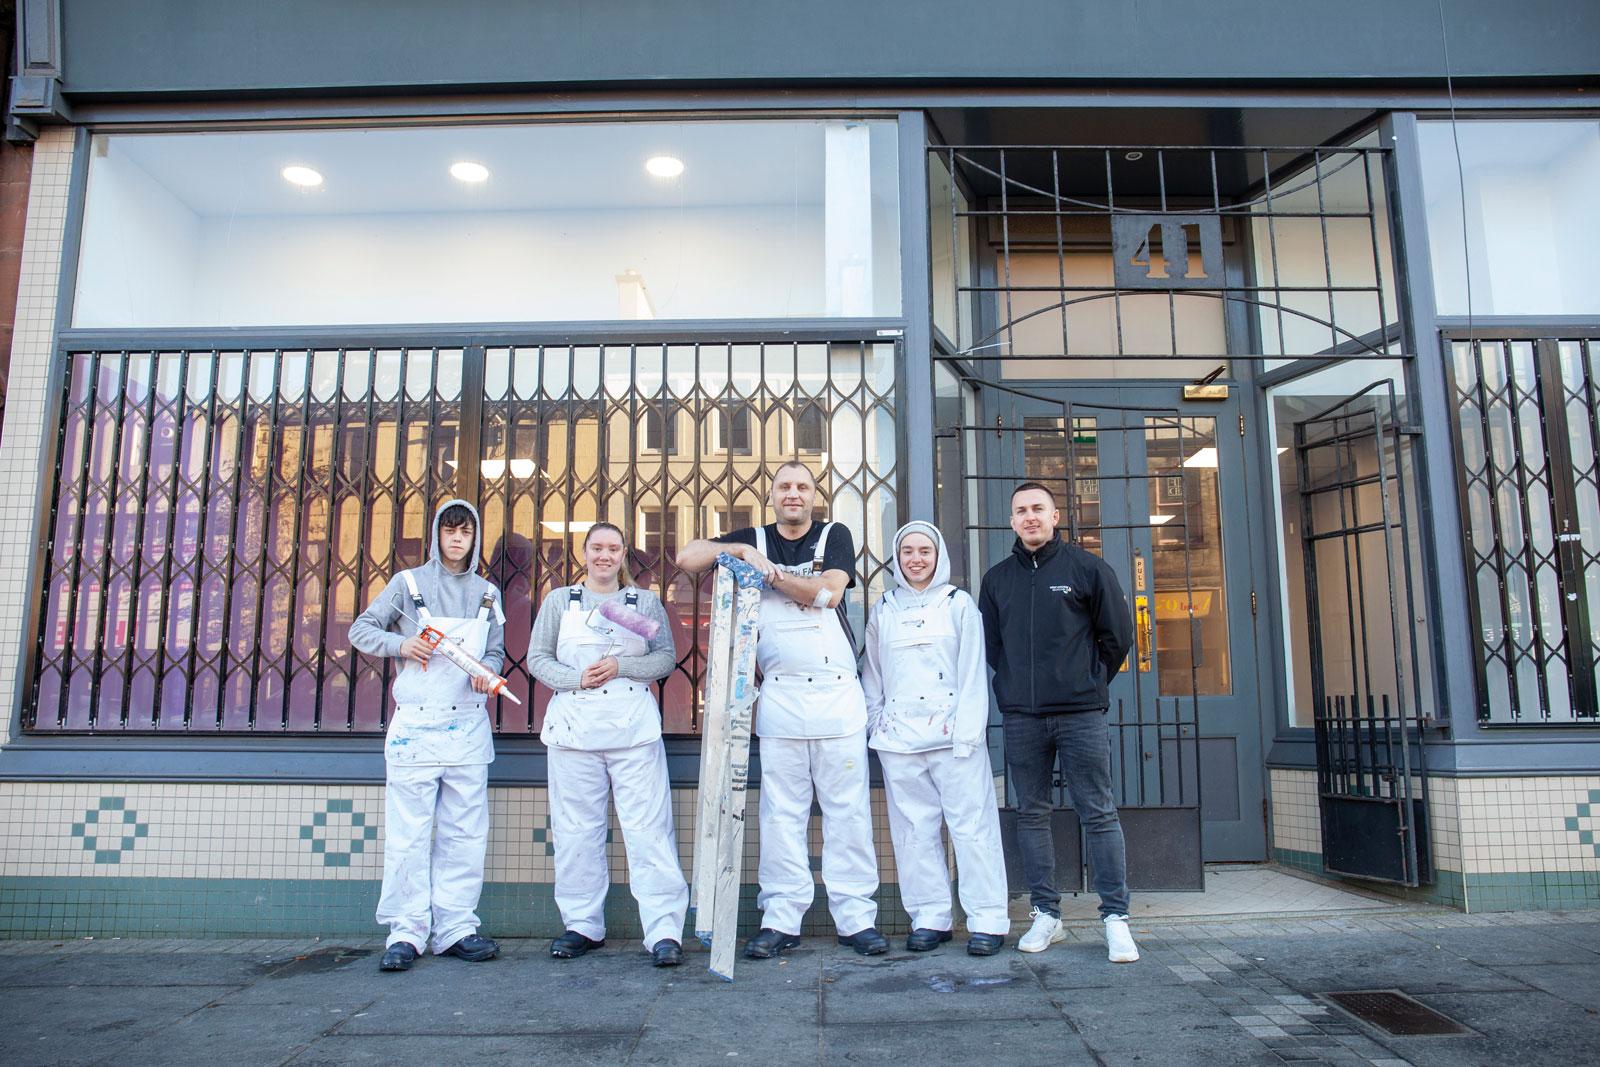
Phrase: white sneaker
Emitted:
{"points": [[1119, 940], [1046, 931]]}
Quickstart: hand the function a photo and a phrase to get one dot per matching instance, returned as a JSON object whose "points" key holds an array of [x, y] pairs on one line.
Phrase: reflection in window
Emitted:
{"points": [[1530, 218], [763, 219], [1186, 548], [1357, 598]]}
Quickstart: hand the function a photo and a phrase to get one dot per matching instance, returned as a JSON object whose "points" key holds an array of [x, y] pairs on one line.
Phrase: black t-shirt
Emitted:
{"points": [[839, 555]]}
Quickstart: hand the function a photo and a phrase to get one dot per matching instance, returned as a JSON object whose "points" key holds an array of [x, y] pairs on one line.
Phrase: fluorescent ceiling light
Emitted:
{"points": [[295, 174], [1205, 457], [664, 166], [468, 171], [1160, 520]]}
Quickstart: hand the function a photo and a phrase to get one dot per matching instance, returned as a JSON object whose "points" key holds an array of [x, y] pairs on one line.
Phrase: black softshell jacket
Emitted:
{"points": [[1057, 627]]}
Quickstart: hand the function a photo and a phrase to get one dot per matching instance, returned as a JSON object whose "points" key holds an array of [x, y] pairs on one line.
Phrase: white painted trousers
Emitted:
{"points": [[436, 830], [925, 789], [837, 767], [581, 783]]}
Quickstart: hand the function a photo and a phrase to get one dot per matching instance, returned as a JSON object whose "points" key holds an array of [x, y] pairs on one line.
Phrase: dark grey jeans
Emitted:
{"points": [[1082, 743]]}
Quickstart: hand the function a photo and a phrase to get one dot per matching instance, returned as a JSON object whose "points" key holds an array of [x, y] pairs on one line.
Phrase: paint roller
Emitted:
{"points": [[619, 614]]}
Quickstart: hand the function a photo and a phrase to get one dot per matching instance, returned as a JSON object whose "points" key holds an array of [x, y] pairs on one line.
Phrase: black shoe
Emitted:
{"points": [[984, 944], [571, 945], [473, 949], [867, 942], [923, 940], [767, 944], [667, 953], [398, 957]]}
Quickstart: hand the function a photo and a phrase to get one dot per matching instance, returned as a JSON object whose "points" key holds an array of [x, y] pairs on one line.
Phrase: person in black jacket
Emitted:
{"points": [[1057, 629]]}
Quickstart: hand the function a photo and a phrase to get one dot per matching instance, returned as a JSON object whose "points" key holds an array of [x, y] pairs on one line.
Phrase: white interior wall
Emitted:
{"points": [[507, 266], [136, 263]]}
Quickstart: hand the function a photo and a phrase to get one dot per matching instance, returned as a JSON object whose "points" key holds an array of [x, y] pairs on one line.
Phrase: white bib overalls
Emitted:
{"points": [[925, 783], [436, 793], [811, 719], [605, 744]]}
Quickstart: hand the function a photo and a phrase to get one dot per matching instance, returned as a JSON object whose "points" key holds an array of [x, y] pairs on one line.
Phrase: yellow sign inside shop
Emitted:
{"points": [[1174, 604]]}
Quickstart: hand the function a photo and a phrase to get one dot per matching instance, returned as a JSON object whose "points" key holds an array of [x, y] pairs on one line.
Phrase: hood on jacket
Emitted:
{"points": [[475, 554], [941, 568]]}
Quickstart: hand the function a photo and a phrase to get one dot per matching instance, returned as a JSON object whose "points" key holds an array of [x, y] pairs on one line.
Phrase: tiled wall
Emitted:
{"points": [[235, 860], [1498, 843]]}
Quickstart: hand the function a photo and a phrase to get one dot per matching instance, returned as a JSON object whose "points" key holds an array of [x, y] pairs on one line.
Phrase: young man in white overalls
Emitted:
{"points": [[439, 746], [811, 719]]}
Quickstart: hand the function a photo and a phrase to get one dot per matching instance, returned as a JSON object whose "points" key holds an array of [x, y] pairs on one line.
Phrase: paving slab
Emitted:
{"points": [[1528, 1029], [249, 1036], [44, 1027], [572, 1050], [194, 968], [1037, 1042], [1519, 945], [1325, 963], [911, 990]]}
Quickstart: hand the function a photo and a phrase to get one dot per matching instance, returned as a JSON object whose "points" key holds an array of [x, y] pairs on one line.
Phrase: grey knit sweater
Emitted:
{"points": [[655, 664]]}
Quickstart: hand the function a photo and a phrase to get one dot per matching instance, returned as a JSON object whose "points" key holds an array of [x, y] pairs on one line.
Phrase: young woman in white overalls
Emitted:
{"points": [[927, 690], [603, 732]]}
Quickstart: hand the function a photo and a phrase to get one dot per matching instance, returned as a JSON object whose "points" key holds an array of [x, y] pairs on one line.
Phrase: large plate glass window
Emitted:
{"points": [[794, 218]]}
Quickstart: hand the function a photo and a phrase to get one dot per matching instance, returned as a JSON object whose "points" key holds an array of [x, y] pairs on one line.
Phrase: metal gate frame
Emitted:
{"points": [[1371, 768]]}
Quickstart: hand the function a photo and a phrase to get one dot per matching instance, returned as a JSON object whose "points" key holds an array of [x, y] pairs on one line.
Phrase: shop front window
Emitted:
{"points": [[1511, 204], [794, 218], [220, 517]]}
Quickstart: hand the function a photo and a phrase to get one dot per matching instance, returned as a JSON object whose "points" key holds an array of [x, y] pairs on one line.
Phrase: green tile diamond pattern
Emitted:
{"points": [[338, 832], [110, 829], [1586, 823]]}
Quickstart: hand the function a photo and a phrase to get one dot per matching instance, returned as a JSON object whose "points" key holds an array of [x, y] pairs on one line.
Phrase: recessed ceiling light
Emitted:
{"points": [[304, 176], [468, 171], [664, 166], [1134, 157]]}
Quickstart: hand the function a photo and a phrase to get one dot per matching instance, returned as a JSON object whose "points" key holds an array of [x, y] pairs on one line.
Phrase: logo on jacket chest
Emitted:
{"points": [[1064, 590]]}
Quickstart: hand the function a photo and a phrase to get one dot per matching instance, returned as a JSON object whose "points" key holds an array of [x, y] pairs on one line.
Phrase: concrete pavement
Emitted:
{"points": [[1214, 992]]}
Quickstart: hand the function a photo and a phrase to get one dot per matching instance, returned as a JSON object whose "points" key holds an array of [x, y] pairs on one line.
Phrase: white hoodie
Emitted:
{"points": [[924, 675]]}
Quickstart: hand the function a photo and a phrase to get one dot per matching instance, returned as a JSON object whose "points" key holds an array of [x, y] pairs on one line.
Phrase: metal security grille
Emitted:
{"points": [[671, 443], [1115, 251], [217, 518], [1528, 445]]}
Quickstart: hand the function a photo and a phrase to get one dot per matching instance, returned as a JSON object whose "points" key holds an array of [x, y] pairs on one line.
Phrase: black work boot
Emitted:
{"points": [[571, 945], [867, 942], [924, 940], [667, 953], [398, 957], [984, 944], [473, 949], [768, 944]]}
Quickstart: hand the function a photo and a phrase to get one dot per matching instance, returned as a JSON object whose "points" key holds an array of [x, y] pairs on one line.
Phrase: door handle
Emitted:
{"points": [[1143, 634]]}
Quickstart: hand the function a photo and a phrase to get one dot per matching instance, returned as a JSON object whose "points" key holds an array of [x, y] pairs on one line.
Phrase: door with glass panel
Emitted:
{"points": [[1155, 486]]}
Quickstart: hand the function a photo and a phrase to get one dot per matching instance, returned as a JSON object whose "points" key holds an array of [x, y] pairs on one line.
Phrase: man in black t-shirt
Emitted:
{"points": [[811, 718]]}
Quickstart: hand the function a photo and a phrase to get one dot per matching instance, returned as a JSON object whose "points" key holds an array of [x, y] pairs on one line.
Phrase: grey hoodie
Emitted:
{"points": [[382, 628], [946, 670]]}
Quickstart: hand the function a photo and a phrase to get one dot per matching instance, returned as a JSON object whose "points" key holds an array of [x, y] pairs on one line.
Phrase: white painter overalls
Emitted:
{"points": [[436, 797], [811, 717], [606, 743], [924, 781]]}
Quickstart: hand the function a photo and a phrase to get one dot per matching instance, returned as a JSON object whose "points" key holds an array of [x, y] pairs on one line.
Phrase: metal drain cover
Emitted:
{"points": [[1393, 1012]]}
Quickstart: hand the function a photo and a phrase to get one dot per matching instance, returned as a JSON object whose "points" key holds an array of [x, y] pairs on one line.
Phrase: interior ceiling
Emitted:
{"points": [[549, 168], [1183, 174]]}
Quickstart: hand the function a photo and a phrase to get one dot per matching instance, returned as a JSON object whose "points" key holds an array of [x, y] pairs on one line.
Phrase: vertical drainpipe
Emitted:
{"points": [[914, 372]]}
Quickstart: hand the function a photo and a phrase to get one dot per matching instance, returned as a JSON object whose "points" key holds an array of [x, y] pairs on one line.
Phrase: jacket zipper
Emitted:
{"points": [[1033, 637]]}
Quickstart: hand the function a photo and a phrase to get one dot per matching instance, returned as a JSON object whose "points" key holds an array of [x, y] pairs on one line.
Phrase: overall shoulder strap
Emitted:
{"points": [[486, 605], [761, 540], [575, 597], [631, 598], [821, 548], [416, 596]]}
